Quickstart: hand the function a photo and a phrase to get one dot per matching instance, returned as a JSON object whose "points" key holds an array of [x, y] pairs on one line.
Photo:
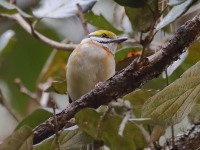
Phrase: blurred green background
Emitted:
{"points": [[24, 57]]}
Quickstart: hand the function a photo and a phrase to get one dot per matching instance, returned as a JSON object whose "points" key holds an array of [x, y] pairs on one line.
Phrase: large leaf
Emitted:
{"points": [[174, 102], [19, 140], [100, 22], [35, 118], [175, 13], [194, 115], [68, 140], [88, 121], [137, 99], [132, 3], [61, 8], [6, 7], [142, 18]]}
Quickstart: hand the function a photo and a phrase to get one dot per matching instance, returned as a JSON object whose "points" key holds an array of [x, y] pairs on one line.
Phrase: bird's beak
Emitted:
{"points": [[119, 40]]}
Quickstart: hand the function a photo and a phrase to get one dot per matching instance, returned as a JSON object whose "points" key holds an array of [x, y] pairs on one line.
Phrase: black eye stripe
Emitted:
{"points": [[104, 35], [104, 42]]}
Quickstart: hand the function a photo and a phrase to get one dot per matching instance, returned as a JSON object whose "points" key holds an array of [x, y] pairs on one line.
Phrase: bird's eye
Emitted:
{"points": [[104, 35]]}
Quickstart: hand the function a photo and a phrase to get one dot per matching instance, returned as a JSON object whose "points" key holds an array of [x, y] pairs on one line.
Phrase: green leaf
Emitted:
{"points": [[193, 56], [194, 71], [18, 140], [6, 7], [34, 119], [59, 87], [175, 13], [142, 18], [137, 99], [194, 115], [132, 3], [55, 66], [68, 140], [88, 121], [124, 53], [100, 22], [175, 102], [25, 59], [175, 2], [125, 56]]}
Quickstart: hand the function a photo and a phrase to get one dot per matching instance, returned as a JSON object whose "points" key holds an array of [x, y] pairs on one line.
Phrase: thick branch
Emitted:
{"points": [[60, 46], [127, 80]]}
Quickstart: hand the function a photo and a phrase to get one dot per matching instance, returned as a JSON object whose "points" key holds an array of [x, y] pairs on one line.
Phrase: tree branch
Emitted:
{"points": [[20, 20], [127, 80], [26, 92], [82, 20], [8, 107]]}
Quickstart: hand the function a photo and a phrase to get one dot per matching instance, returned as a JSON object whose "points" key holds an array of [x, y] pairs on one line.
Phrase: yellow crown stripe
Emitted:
{"points": [[100, 32]]}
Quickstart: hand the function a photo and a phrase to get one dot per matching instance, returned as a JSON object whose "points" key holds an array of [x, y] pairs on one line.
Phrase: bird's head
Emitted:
{"points": [[106, 38]]}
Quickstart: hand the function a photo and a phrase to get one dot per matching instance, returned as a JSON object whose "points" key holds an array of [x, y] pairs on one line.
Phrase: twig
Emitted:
{"points": [[167, 83], [26, 92], [172, 127], [101, 120], [55, 125], [97, 144], [82, 20], [8, 107], [127, 116], [20, 20], [146, 42], [45, 96], [127, 80]]}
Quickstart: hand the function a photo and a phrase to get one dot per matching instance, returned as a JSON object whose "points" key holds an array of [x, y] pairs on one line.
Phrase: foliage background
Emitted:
{"points": [[24, 56]]}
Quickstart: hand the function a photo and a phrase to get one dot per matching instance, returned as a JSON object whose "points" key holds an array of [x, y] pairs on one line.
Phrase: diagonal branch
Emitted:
{"points": [[127, 80], [20, 20]]}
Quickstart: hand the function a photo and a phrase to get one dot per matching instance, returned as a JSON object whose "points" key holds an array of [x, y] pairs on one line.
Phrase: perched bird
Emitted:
{"points": [[91, 62]]}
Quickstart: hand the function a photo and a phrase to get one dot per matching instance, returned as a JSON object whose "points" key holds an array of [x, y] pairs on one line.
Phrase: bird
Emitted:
{"points": [[91, 63]]}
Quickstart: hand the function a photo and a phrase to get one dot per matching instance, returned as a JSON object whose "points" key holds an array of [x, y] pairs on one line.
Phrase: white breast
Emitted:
{"points": [[87, 66]]}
